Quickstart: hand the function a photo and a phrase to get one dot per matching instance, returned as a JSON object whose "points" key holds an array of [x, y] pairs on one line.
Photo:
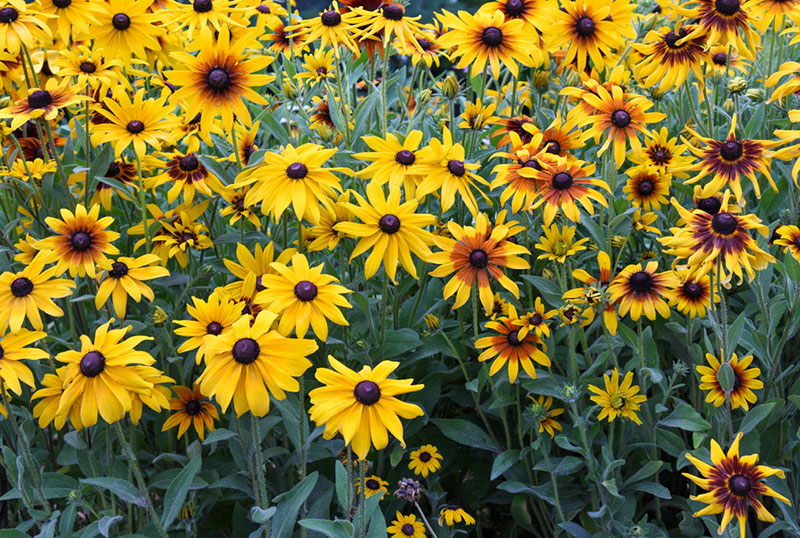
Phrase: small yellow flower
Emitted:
{"points": [[618, 400]]}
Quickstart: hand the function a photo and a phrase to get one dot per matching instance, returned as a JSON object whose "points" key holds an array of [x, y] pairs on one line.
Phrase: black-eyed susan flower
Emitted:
{"points": [[663, 152], [139, 122], [595, 292], [318, 67], [125, 277], [71, 18], [562, 183], [641, 290], [186, 175], [536, 320], [210, 318], [178, 238], [693, 294], [477, 115], [332, 28], [558, 245], [24, 294], [45, 411], [647, 186], [203, 14], [425, 460], [668, 59], [745, 381], [477, 254], [561, 136], [362, 405], [127, 28], [406, 527], [488, 38], [533, 12], [452, 513], [733, 484], [545, 415], [296, 177], [618, 399], [388, 21], [516, 124], [156, 399], [718, 241], [428, 50], [252, 267], [303, 296], [89, 67], [499, 307], [217, 80], [252, 363], [392, 161], [22, 23], [392, 230], [190, 408], [788, 237], [512, 346], [325, 235], [13, 349], [724, 22], [99, 378], [83, 240], [42, 103], [517, 177], [373, 485], [236, 208], [283, 40]]}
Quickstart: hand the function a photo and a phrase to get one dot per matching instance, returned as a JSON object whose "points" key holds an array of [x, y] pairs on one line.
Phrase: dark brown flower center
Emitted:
{"points": [[408, 529], [263, 8], [39, 99], [739, 484], [660, 156], [620, 118], [536, 319], [80, 241], [389, 224], [424, 457], [8, 14], [92, 364], [709, 205], [189, 163], [671, 38], [724, 223], [646, 187], [245, 350], [38, 153], [2, 352], [192, 407], [720, 58], [693, 290], [214, 328], [367, 392], [135, 127], [259, 285], [331, 18], [730, 150], [425, 44], [121, 22], [305, 290], [797, 241], [247, 152], [641, 282], [372, 484], [492, 36], [727, 7], [393, 12], [456, 168], [515, 8], [62, 3], [405, 157], [513, 338], [88, 67], [118, 270], [202, 6], [297, 171], [478, 259], [553, 147], [218, 79], [562, 181], [21, 287], [532, 164], [584, 26], [186, 237]]}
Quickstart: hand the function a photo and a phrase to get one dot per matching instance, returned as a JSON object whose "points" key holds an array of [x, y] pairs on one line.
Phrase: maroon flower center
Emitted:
{"points": [[80, 241], [424, 457], [247, 152], [202, 6], [671, 38], [189, 163], [425, 44], [739, 484], [585, 26], [2, 352], [38, 153], [372, 484], [331, 18], [456, 168], [515, 7], [693, 290], [660, 156], [727, 7], [492, 36], [113, 169], [731, 150], [724, 223], [553, 147], [513, 338], [367, 392], [621, 118], [562, 181], [393, 12], [709, 205], [389, 224], [536, 319], [40, 99], [62, 3], [88, 67], [797, 241], [259, 285], [21, 287], [218, 79], [192, 407], [532, 164], [245, 350], [305, 290], [135, 127], [478, 259], [8, 14], [641, 282], [720, 58], [118, 270], [408, 529], [92, 364], [405, 157], [214, 328], [646, 187], [297, 171], [121, 22], [186, 237], [263, 8]]}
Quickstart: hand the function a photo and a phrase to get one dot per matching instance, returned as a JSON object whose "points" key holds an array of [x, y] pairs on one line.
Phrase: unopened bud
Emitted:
{"points": [[737, 85], [728, 105], [424, 98], [159, 317], [290, 90], [450, 86], [755, 94]]}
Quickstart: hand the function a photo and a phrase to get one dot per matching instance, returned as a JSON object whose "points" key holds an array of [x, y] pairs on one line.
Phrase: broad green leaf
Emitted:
{"points": [[465, 432], [685, 418], [503, 462], [176, 493], [755, 416], [331, 529], [288, 506], [121, 488]]}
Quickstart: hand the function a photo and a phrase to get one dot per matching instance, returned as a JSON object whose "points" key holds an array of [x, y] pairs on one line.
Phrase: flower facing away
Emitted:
{"points": [[618, 400], [251, 363], [745, 381], [595, 291], [452, 514], [373, 485], [733, 484], [425, 460], [545, 415], [191, 409], [362, 405], [406, 527]]}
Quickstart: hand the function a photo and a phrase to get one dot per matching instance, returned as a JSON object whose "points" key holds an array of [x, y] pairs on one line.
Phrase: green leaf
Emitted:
{"points": [[104, 526], [341, 485], [649, 469], [503, 462], [652, 488], [755, 416], [685, 418], [289, 503], [735, 331], [12, 533], [121, 488], [465, 432], [260, 516], [176, 493], [548, 289], [575, 530], [218, 435], [331, 529]]}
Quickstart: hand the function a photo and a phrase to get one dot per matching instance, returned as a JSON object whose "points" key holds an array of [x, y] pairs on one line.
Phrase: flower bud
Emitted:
{"points": [[424, 98], [159, 317], [450, 86], [737, 85], [541, 81], [432, 322], [290, 90], [755, 94], [728, 105]]}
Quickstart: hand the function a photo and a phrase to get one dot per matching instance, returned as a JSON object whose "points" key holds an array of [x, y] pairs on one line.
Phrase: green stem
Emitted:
{"points": [[59, 166], [425, 520], [384, 83], [362, 498], [553, 477], [259, 470], [142, 204]]}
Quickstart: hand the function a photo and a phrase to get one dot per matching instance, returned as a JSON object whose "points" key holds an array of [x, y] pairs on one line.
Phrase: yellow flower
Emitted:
{"points": [[559, 245], [618, 400]]}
